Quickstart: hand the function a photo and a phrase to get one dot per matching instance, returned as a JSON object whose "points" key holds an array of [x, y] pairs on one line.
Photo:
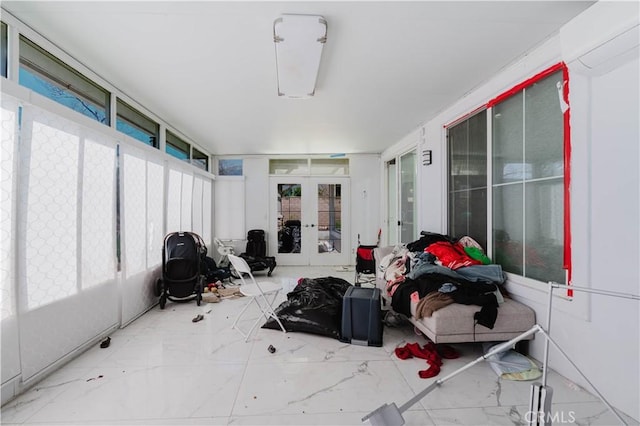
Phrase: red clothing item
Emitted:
{"points": [[451, 255]]}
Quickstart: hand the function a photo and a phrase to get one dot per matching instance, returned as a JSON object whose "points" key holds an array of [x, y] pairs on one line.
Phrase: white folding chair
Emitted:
{"points": [[257, 292]]}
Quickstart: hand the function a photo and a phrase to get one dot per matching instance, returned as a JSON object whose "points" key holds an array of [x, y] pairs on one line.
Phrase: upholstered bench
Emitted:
{"points": [[455, 323]]}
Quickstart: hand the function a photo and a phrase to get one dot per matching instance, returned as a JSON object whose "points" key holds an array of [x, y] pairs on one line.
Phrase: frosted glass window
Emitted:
{"points": [[197, 206], [174, 199], [134, 214], [207, 207], [408, 205], [467, 155], [98, 202], [187, 197], [50, 258], [544, 230], [528, 173], [508, 149], [544, 144], [7, 237], [155, 213]]}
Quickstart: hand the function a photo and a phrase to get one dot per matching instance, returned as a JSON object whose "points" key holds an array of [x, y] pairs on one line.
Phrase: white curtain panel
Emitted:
{"points": [[9, 344], [229, 205], [187, 200], [60, 238], [196, 210], [207, 215], [155, 212], [174, 199]]}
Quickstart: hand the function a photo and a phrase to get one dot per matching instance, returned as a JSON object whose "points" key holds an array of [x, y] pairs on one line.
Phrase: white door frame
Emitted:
{"points": [[311, 253]]}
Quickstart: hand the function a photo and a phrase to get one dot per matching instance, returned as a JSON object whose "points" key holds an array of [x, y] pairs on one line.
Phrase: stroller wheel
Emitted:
{"points": [[199, 290], [158, 287], [163, 301]]}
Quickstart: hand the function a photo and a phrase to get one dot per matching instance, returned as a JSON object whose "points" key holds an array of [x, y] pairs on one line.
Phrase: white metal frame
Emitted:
{"points": [[257, 293]]}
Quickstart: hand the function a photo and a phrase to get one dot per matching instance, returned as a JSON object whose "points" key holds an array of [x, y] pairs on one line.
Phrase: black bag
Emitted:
{"points": [[256, 244], [212, 272]]}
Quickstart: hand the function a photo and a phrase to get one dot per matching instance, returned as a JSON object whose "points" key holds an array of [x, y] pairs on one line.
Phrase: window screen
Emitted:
{"points": [[528, 182], [467, 185]]}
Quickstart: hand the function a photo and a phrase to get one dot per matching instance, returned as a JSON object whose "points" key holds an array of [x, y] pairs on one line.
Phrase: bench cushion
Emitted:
{"points": [[455, 323]]}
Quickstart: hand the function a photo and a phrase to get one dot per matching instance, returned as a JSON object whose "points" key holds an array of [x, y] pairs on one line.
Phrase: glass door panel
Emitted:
{"points": [[407, 197], [309, 219], [329, 218], [392, 202], [329, 225], [289, 217]]}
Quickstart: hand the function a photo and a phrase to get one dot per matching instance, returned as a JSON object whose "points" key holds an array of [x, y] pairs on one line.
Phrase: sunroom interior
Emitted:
{"points": [[514, 123]]}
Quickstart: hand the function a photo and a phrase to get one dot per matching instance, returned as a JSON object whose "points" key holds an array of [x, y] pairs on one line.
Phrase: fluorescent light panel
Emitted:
{"points": [[299, 40]]}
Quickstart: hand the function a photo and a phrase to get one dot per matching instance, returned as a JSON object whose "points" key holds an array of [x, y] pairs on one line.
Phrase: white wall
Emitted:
{"points": [[601, 334], [365, 199]]}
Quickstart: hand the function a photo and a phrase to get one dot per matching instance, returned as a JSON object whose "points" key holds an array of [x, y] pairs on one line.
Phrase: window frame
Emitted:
{"points": [[49, 69], [130, 116], [489, 106], [4, 48], [173, 142], [199, 159]]}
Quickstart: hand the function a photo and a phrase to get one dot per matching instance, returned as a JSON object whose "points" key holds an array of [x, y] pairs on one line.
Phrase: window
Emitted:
{"points": [[330, 166], [177, 147], [135, 124], [229, 167], [200, 159], [527, 179], [528, 182], [309, 166], [3, 49], [294, 166], [47, 75], [467, 155]]}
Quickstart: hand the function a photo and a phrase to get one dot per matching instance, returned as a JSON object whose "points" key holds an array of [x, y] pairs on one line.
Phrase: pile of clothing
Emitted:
{"points": [[438, 270]]}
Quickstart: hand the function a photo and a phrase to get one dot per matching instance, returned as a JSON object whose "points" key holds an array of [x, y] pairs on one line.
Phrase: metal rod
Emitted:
{"points": [[497, 349], [596, 291], [602, 398], [545, 361]]}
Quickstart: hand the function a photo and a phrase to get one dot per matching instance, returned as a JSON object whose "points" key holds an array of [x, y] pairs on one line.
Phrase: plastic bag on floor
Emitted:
{"points": [[511, 365], [314, 306]]}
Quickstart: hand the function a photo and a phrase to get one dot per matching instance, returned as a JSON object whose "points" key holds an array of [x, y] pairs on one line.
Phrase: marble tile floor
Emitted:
{"points": [[164, 369]]}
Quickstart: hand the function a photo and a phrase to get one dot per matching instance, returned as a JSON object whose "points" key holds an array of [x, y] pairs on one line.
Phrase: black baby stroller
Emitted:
{"points": [[182, 254], [365, 262], [256, 252]]}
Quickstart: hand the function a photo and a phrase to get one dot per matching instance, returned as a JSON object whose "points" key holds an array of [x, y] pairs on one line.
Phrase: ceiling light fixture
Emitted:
{"points": [[299, 40]]}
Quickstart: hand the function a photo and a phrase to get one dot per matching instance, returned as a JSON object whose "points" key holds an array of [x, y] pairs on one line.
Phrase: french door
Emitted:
{"points": [[309, 220], [401, 205]]}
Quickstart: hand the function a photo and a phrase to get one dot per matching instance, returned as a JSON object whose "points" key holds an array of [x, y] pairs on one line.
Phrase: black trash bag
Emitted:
{"points": [[314, 306]]}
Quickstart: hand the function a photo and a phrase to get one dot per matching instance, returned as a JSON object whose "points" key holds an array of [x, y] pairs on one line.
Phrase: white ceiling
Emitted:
{"points": [[208, 67]]}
